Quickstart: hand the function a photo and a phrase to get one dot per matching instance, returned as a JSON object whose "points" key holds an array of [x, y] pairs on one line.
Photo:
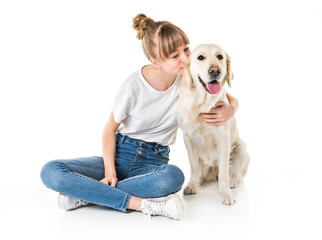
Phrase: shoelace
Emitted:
{"points": [[154, 207], [80, 203]]}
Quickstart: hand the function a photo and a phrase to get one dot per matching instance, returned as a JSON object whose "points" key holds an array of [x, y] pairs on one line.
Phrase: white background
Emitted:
{"points": [[61, 63]]}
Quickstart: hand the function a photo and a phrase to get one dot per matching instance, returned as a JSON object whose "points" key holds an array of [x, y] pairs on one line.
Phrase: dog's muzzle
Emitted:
{"points": [[212, 87]]}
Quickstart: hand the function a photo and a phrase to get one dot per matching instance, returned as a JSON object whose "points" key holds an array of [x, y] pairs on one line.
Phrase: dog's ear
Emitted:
{"points": [[187, 78], [229, 75]]}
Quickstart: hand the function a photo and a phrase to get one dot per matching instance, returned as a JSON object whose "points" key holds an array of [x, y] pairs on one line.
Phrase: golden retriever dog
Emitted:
{"points": [[215, 152]]}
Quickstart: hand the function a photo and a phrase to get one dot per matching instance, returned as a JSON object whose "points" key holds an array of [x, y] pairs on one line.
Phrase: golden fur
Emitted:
{"points": [[215, 152]]}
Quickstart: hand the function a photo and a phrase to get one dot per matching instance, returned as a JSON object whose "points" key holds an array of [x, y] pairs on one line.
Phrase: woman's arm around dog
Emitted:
{"points": [[222, 112]]}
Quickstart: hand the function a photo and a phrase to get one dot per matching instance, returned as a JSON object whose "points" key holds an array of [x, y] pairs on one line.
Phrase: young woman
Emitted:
{"points": [[134, 172]]}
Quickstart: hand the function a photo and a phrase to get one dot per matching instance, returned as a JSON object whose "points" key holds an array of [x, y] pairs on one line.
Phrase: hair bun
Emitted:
{"points": [[141, 23]]}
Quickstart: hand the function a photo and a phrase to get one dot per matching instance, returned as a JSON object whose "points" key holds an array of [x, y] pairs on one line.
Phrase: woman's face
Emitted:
{"points": [[175, 63]]}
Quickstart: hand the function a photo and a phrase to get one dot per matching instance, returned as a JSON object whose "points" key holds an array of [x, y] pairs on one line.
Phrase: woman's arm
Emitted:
{"points": [[233, 102], [222, 112], [109, 145]]}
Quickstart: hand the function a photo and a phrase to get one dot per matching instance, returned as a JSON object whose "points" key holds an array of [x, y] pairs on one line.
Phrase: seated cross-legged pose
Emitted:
{"points": [[133, 172]]}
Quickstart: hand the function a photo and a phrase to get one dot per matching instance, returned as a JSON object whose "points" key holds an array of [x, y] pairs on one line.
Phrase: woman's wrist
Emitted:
{"points": [[110, 173], [233, 108]]}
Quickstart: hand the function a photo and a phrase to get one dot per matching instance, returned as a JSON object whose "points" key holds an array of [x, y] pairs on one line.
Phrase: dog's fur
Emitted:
{"points": [[215, 152]]}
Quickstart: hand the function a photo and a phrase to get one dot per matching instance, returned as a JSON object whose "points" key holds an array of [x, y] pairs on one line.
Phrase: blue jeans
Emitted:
{"points": [[142, 170]]}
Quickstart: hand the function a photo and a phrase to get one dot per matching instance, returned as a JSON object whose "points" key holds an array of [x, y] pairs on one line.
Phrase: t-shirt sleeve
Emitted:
{"points": [[122, 104]]}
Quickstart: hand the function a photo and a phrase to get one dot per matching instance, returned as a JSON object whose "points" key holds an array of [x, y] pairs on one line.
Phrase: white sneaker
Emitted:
{"points": [[170, 206], [68, 203]]}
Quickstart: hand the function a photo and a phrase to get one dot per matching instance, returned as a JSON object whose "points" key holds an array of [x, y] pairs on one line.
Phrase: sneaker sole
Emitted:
{"points": [[61, 201], [179, 204]]}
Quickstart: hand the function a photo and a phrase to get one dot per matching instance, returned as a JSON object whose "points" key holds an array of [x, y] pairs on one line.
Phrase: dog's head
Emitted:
{"points": [[208, 66]]}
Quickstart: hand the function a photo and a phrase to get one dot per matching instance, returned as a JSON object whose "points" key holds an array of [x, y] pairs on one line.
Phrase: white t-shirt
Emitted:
{"points": [[147, 114]]}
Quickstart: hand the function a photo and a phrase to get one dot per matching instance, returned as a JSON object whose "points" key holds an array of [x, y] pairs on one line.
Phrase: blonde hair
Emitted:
{"points": [[159, 39]]}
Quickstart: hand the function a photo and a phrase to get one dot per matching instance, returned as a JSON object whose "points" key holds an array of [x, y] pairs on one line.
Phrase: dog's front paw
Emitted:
{"points": [[227, 197], [191, 189]]}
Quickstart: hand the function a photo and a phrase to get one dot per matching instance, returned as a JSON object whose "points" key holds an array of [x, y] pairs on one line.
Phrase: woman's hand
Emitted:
{"points": [[218, 115], [110, 180]]}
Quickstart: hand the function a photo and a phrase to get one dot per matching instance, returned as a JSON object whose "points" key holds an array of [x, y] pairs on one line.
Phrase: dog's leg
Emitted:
{"points": [[225, 192], [239, 160], [193, 185]]}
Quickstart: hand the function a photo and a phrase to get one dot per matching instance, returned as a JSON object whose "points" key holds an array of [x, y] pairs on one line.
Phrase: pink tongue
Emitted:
{"points": [[214, 88]]}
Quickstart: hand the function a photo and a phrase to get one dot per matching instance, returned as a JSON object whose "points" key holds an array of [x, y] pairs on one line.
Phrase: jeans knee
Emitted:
{"points": [[176, 176], [50, 175], [172, 180]]}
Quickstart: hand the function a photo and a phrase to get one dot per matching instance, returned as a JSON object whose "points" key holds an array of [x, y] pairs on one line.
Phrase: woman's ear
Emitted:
{"points": [[154, 62], [229, 75], [187, 78]]}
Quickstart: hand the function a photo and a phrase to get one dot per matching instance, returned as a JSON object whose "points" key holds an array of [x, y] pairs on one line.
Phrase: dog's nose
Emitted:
{"points": [[214, 71]]}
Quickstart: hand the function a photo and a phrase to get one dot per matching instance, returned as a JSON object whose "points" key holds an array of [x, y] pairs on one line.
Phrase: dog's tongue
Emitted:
{"points": [[213, 88]]}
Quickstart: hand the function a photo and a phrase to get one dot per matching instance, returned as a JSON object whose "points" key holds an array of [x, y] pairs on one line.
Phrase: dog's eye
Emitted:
{"points": [[201, 57], [220, 57]]}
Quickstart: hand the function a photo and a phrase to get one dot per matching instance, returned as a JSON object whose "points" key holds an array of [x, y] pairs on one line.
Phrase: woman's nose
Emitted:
{"points": [[184, 58]]}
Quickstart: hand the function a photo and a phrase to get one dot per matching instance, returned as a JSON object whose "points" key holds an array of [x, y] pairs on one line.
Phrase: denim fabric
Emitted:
{"points": [[142, 170]]}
